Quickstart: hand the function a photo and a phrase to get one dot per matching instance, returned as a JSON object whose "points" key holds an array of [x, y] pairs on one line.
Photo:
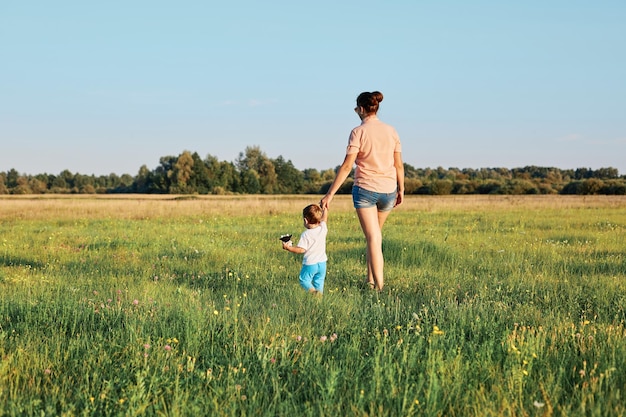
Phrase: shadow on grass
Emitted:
{"points": [[12, 261]]}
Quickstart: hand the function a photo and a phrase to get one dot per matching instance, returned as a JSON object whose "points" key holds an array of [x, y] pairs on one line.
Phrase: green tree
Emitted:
{"points": [[441, 187], [37, 186], [68, 179], [199, 181], [180, 174], [3, 183], [592, 186], [614, 187], [213, 166], [465, 187], [329, 174], [58, 185], [606, 173], [228, 179], [289, 179], [253, 159], [162, 174], [143, 181], [312, 181], [411, 185], [84, 183], [250, 183], [21, 186], [268, 177], [11, 178]]}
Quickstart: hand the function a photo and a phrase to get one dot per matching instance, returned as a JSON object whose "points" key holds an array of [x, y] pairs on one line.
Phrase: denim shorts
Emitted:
{"points": [[363, 198]]}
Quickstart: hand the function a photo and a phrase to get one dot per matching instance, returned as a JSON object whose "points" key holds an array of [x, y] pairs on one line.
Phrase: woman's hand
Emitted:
{"points": [[399, 198], [325, 201]]}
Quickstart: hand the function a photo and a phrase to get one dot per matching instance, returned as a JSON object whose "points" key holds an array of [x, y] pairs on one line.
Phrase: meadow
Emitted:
{"points": [[188, 306]]}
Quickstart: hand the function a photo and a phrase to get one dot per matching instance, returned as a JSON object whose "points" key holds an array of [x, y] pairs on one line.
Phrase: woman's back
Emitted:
{"points": [[375, 143]]}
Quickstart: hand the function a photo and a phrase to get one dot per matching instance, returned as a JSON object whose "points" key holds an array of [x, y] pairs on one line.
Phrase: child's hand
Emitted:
{"points": [[287, 244]]}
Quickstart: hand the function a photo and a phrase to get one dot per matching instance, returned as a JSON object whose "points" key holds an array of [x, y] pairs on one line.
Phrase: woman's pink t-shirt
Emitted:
{"points": [[375, 143]]}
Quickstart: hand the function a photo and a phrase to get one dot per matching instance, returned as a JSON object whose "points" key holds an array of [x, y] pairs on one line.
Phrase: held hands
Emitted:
{"points": [[325, 202]]}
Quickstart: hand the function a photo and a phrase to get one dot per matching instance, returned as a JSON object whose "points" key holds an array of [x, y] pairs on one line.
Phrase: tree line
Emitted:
{"points": [[253, 172]]}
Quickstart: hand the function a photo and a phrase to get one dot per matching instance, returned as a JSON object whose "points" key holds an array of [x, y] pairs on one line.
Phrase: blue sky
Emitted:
{"points": [[106, 87]]}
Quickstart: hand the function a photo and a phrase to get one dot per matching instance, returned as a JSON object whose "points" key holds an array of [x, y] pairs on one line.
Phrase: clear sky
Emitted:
{"points": [[106, 87]]}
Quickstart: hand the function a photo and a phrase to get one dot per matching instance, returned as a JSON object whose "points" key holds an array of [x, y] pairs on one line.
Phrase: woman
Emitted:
{"points": [[378, 180]]}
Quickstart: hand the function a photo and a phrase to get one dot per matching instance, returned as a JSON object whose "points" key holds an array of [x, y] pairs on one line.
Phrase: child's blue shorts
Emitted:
{"points": [[312, 276]]}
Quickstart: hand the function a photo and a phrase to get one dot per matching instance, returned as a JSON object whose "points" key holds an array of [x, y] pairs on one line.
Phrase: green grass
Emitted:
{"points": [[510, 310]]}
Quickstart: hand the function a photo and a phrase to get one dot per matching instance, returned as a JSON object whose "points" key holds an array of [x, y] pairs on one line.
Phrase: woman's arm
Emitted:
{"points": [[340, 178], [399, 165]]}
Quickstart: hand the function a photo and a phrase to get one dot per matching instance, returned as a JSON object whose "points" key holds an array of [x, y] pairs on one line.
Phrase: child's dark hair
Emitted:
{"points": [[313, 213], [369, 101]]}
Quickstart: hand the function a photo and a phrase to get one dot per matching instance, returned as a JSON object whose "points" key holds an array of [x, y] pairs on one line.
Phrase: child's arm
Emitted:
{"points": [[325, 215], [293, 249]]}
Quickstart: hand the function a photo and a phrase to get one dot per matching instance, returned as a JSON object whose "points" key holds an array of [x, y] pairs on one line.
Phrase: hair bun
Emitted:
{"points": [[378, 96]]}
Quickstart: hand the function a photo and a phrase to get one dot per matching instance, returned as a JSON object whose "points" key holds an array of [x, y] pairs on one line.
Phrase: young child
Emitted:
{"points": [[312, 244]]}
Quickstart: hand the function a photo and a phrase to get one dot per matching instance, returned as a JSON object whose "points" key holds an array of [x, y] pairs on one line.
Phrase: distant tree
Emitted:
{"points": [[163, 173], [87, 189], [588, 186], [84, 183], [228, 178], [572, 188], [312, 175], [606, 173], [11, 178], [21, 186], [199, 181], [583, 173], [58, 185], [268, 177], [37, 186], [614, 187], [250, 183], [554, 176], [440, 187], [521, 174], [253, 159], [455, 174], [411, 185], [592, 186], [442, 173], [290, 180], [180, 174], [143, 181], [125, 180], [3, 183], [68, 179], [410, 172], [329, 174], [312, 181], [519, 186], [489, 187], [465, 187]]}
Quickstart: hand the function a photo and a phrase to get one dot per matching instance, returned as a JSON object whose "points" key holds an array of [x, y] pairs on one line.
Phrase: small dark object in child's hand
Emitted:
{"points": [[285, 238]]}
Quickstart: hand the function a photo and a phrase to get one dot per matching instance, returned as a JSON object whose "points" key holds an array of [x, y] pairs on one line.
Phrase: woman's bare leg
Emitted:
{"points": [[372, 222]]}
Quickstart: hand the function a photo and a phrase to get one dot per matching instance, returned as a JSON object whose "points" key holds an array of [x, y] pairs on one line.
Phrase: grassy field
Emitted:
{"points": [[165, 306]]}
